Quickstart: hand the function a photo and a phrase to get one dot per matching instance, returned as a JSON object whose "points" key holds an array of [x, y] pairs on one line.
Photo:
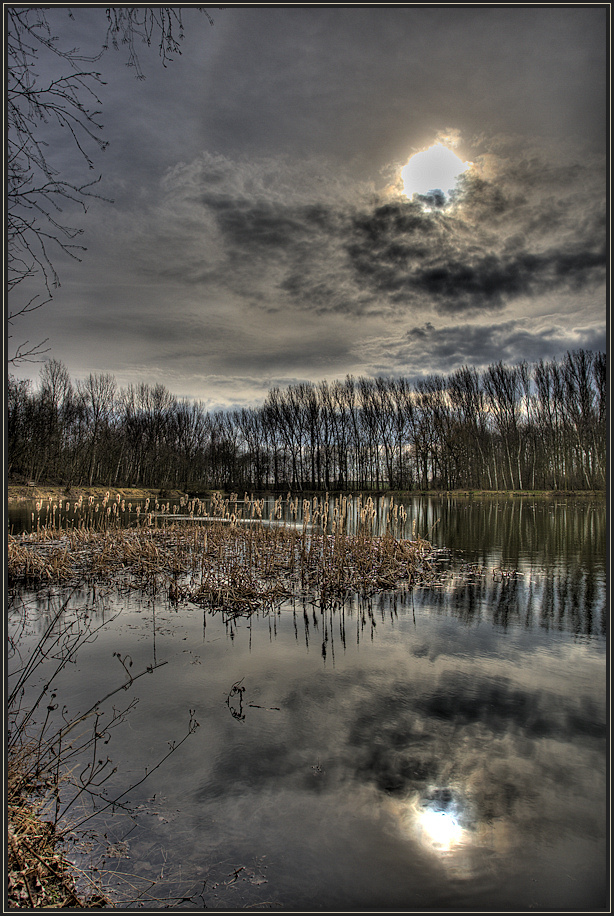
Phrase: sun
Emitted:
{"points": [[434, 169]]}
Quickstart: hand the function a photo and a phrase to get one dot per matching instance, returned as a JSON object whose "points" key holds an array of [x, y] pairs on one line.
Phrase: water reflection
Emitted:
{"points": [[555, 550], [439, 829], [569, 601], [437, 748], [439, 819]]}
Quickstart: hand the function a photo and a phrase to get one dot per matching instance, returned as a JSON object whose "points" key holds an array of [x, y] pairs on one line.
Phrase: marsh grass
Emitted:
{"points": [[38, 874], [229, 556]]}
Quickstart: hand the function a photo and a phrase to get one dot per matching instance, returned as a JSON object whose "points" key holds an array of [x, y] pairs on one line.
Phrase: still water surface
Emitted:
{"points": [[446, 749]]}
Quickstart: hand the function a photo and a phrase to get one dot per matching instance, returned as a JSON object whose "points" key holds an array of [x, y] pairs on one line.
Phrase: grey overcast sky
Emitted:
{"points": [[261, 234]]}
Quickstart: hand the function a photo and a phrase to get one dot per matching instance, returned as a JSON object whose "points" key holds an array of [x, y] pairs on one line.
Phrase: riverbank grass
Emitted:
{"points": [[39, 876], [227, 555]]}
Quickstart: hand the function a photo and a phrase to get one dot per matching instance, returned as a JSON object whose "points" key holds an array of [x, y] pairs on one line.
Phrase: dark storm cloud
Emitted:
{"points": [[446, 348], [494, 245], [258, 219], [251, 225], [279, 239], [490, 280]]}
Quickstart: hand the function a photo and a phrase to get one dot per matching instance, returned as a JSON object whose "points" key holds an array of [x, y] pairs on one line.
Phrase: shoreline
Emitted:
{"points": [[24, 492]]}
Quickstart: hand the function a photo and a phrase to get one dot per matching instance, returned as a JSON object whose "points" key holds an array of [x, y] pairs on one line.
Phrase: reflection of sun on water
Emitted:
{"points": [[439, 820], [440, 829], [443, 822]]}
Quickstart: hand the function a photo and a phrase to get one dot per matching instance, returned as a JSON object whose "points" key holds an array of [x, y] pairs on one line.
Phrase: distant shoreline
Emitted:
{"points": [[23, 492], [18, 492]]}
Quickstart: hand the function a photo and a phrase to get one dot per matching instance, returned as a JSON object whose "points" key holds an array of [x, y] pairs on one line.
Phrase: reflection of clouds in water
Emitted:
{"points": [[486, 738], [444, 823], [439, 829], [512, 725], [440, 819]]}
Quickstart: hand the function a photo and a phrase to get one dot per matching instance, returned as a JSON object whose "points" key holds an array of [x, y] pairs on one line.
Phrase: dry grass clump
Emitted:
{"points": [[38, 875], [36, 562]]}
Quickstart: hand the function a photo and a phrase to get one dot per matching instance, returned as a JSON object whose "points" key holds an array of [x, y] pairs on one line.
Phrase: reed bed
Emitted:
{"points": [[230, 556], [53, 514]]}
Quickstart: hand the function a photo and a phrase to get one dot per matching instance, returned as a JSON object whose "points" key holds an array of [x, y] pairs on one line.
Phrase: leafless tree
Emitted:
{"points": [[97, 393], [543, 427]]}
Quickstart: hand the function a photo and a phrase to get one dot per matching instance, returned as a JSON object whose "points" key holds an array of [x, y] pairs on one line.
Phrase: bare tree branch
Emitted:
{"points": [[37, 196]]}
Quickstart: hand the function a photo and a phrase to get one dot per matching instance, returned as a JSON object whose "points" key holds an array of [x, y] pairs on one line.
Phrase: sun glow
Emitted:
{"points": [[434, 169], [440, 829], [440, 820]]}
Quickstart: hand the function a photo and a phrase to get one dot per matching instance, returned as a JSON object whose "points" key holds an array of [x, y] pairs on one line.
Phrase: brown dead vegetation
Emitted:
{"points": [[230, 558], [39, 877]]}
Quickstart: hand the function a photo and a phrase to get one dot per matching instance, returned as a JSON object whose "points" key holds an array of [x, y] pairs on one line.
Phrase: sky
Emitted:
{"points": [[261, 233]]}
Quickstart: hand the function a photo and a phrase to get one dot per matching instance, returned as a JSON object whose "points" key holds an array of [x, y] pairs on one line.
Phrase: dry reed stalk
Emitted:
{"points": [[230, 564]]}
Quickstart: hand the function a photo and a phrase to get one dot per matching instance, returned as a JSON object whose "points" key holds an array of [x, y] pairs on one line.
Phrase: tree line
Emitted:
{"points": [[539, 426]]}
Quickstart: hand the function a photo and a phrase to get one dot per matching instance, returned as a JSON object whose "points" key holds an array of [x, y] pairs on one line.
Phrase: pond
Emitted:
{"points": [[444, 748]]}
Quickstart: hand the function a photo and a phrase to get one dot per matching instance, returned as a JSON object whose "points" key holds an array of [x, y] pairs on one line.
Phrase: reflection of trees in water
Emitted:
{"points": [[332, 623], [565, 600], [548, 531], [66, 609]]}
